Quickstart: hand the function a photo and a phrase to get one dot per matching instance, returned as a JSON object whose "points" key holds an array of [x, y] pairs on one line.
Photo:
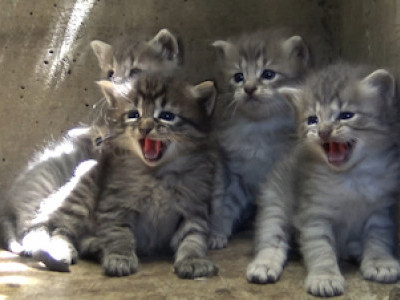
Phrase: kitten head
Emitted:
{"points": [[347, 113], [162, 53], [255, 66], [158, 119]]}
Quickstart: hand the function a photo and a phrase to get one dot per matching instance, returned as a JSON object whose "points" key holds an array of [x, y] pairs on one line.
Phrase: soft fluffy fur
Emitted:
{"points": [[254, 123], [341, 202], [47, 177], [142, 200]]}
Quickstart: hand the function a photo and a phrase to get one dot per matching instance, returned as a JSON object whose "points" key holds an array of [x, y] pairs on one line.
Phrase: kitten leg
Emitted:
{"points": [[272, 240], [229, 201], [379, 262], [317, 245], [191, 255]]}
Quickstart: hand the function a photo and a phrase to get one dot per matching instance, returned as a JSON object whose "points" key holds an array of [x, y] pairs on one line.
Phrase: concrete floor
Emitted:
{"points": [[22, 278]]}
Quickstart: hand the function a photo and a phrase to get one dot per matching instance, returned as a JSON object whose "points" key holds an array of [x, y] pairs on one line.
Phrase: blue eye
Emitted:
{"points": [[345, 115], [268, 74], [312, 120], [133, 114], [238, 77], [110, 74], [167, 116]]}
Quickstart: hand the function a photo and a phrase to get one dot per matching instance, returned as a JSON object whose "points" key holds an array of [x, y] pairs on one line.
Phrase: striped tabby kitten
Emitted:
{"points": [[339, 187], [255, 124], [150, 190], [47, 179]]}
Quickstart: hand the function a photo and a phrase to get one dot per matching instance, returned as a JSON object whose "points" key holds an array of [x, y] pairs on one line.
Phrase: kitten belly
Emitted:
{"points": [[154, 231]]}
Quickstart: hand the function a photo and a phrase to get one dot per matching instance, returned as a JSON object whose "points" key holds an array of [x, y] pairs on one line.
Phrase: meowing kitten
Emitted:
{"points": [[339, 187], [45, 181], [151, 187], [254, 122]]}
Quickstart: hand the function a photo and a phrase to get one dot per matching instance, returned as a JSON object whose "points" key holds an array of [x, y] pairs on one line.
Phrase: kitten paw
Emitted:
{"points": [[264, 272], [120, 265], [381, 270], [217, 241], [58, 255], [191, 268], [325, 285]]}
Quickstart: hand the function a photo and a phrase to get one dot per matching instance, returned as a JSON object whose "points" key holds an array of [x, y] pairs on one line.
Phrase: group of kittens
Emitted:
{"points": [[168, 165]]}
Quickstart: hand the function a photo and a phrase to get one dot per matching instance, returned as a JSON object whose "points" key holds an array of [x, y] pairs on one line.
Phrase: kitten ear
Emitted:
{"points": [[293, 94], [381, 82], [205, 94], [295, 47], [222, 46], [104, 54], [108, 89], [169, 45]]}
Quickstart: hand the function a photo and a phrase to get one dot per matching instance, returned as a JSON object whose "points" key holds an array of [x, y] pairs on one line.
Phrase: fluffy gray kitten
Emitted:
{"points": [[254, 123], [150, 189], [47, 177], [339, 187]]}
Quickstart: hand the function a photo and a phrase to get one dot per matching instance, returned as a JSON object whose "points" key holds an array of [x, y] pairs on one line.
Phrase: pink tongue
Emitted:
{"points": [[152, 149], [337, 152]]}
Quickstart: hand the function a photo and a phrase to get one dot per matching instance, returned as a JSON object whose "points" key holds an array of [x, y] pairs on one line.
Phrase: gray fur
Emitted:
{"points": [[48, 175], [341, 208], [127, 205], [252, 131]]}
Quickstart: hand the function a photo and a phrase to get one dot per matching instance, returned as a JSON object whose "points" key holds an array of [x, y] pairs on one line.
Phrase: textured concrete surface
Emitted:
{"points": [[24, 279], [47, 73]]}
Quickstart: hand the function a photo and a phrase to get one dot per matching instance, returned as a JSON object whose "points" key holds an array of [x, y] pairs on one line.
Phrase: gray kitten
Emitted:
{"points": [[150, 189], [254, 123], [339, 187], [46, 179]]}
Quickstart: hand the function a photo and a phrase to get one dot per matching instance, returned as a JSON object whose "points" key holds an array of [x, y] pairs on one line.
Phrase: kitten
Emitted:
{"points": [[254, 123], [339, 187], [150, 190], [45, 182]]}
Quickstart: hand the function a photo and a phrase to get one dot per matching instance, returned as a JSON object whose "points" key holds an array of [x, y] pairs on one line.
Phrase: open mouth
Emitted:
{"points": [[153, 150], [338, 153]]}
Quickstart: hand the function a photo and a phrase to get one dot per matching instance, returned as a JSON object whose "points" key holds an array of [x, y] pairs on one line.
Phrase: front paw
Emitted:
{"points": [[381, 270], [325, 285], [58, 255], [120, 265], [217, 241], [191, 268], [265, 272]]}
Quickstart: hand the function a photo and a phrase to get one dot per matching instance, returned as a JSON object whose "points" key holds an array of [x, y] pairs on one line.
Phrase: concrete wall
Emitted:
{"points": [[47, 69]]}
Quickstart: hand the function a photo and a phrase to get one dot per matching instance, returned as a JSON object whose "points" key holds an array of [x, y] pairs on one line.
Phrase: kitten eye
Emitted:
{"points": [[133, 114], [345, 115], [110, 74], [238, 77], [167, 116], [312, 120], [268, 74], [134, 72]]}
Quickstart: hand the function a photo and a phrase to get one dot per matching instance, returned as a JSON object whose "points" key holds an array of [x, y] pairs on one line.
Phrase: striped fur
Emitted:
{"points": [[127, 204], [47, 177], [340, 206], [254, 122]]}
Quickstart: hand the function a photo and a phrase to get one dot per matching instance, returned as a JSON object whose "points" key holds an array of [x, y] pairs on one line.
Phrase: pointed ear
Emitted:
{"points": [[104, 54], [169, 45], [295, 47], [223, 47], [381, 82], [205, 93], [108, 89]]}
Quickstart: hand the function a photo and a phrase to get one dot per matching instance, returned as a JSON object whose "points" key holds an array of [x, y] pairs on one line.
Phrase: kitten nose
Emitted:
{"points": [[250, 90], [325, 133], [146, 126]]}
